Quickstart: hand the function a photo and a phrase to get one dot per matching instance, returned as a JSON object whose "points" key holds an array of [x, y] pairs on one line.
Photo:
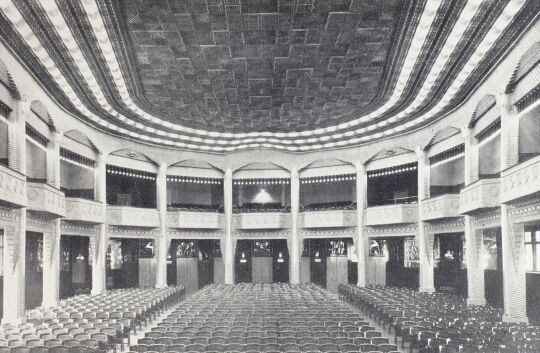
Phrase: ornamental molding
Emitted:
{"points": [[7, 215], [488, 219], [194, 234], [396, 230], [131, 232], [526, 210], [69, 228], [262, 234], [445, 226], [37, 223], [329, 233]]}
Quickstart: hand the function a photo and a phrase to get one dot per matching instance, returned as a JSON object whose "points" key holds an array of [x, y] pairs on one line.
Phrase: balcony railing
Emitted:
{"points": [[195, 220], [261, 208], [392, 214], [45, 198], [393, 201], [329, 206], [82, 210], [439, 207], [189, 207], [260, 220], [327, 219], [521, 180], [132, 216], [87, 194], [480, 195], [437, 190], [12, 187]]}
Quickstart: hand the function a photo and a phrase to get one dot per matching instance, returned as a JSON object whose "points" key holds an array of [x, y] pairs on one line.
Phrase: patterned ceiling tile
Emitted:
{"points": [[263, 65]]}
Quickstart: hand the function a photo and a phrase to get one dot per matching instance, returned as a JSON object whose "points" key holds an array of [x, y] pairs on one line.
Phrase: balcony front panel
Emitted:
{"points": [[439, 207], [480, 195], [132, 216], [82, 210], [195, 220], [44, 198], [327, 219], [12, 187], [521, 180], [262, 220], [391, 214]]}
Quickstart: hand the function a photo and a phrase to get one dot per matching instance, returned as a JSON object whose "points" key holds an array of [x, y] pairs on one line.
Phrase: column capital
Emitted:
{"points": [[360, 166], [505, 104], [421, 152], [294, 173], [162, 167], [228, 173]]}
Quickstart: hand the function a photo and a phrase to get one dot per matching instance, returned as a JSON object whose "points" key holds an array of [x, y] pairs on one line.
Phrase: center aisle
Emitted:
{"points": [[263, 318]]}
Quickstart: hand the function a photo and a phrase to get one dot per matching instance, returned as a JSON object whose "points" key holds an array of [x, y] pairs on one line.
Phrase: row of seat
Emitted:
{"points": [[440, 322], [263, 318], [87, 323]]}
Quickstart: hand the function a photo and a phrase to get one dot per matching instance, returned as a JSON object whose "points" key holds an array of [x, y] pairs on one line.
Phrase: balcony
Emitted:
{"points": [[260, 220], [12, 188], [132, 216], [521, 180], [195, 220], [439, 207], [82, 210], [391, 214], [480, 195], [44, 198], [327, 219]]}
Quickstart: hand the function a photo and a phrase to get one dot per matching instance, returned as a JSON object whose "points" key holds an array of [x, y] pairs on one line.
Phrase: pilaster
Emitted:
{"points": [[17, 136], [51, 265], [53, 160], [424, 241], [162, 242], [361, 237], [99, 242], [228, 246], [295, 237]]}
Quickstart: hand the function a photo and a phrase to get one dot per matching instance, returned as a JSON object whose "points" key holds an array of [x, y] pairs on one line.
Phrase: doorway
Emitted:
{"points": [[34, 270], [280, 261], [317, 251], [493, 269], [449, 273], [206, 263], [75, 269], [243, 262], [402, 267]]}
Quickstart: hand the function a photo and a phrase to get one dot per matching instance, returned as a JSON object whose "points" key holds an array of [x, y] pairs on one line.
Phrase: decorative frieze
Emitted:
{"points": [[327, 219], [71, 228], [132, 216], [195, 220], [443, 206], [12, 187], [44, 198], [521, 180], [82, 210], [527, 210], [263, 220], [480, 195], [262, 234], [455, 225], [391, 214], [487, 219]]}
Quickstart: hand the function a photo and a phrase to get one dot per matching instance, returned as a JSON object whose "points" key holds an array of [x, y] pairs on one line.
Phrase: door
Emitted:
{"points": [[318, 261], [280, 261], [493, 273], [171, 265], [206, 263], [242, 262], [34, 270], [448, 276]]}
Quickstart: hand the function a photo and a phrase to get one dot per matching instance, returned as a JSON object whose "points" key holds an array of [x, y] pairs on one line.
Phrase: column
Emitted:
{"points": [[53, 160], [228, 250], [473, 237], [294, 269], [99, 242], [361, 240], [163, 241], [15, 234], [513, 247], [51, 265], [424, 241], [51, 273]]}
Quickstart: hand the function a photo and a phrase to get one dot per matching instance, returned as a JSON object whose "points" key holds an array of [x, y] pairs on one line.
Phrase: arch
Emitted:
{"points": [[82, 138], [195, 164], [325, 162], [486, 103], [38, 108], [7, 81], [441, 135], [132, 154], [260, 166], [526, 63], [389, 152]]}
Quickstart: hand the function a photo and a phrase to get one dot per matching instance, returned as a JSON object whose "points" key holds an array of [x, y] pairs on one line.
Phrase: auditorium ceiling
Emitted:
{"points": [[293, 75]]}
